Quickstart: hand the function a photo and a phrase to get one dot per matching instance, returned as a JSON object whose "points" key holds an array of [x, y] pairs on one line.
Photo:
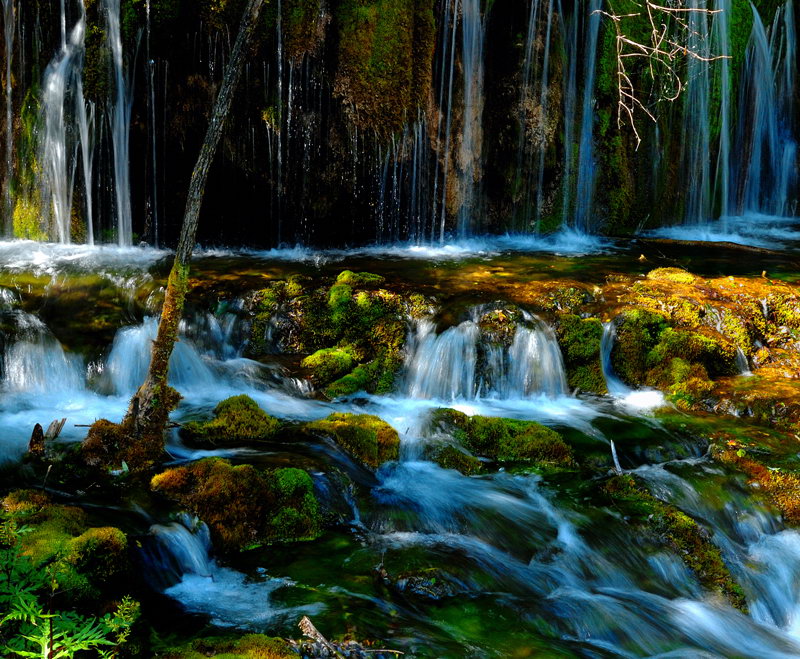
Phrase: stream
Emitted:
{"points": [[518, 564]]}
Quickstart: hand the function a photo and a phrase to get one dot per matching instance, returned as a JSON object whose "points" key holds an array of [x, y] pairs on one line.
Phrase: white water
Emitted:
{"points": [[633, 400], [61, 80], [9, 25], [448, 366], [120, 126], [228, 597]]}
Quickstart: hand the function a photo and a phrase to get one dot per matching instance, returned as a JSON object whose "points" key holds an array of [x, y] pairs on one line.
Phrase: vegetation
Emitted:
{"points": [[367, 438], [236, 419]]}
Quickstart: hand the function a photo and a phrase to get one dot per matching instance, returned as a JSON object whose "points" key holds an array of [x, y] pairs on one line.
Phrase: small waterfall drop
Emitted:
{"points": [[35, 361], [460, 364], [615, 386], [127, 364]]}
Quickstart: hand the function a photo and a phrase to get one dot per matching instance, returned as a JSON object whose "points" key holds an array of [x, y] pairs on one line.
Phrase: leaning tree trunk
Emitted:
{"points": [[150, 407]]}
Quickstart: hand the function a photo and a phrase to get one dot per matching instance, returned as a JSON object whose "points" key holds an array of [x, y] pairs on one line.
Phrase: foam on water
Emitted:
{"points": [[54, 258], [751, 229]]}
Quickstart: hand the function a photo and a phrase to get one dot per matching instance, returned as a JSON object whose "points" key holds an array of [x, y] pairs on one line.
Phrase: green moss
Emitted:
{"points": [[328, 364], [27, 219], [678, 531], [504, 440], [448, 456], [385, 60], [368, 438], [236, 419], [580, 340], [85, 562], [499, 326], [303, 27], [251, 646], [638, 332], [359, 279], [242, 505]]}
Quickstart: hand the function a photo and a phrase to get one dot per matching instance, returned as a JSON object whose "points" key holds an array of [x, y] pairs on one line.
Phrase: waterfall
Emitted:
{"points": [[721, 31], [35, 361], [766, 172], [584, 194], [9, 24], [532, 144], [183, 547], [696, 141], [615, 386], [61, 79], [469, 156], [120, 126], [459, 364], [127, 363], [578, 185]]}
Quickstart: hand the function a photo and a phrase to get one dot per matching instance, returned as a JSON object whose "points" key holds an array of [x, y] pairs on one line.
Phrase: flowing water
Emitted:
{"points": [[521, 562]]}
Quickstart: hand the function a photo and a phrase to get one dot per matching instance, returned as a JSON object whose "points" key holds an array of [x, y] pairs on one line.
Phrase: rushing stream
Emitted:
{"points": [[522, 563]]}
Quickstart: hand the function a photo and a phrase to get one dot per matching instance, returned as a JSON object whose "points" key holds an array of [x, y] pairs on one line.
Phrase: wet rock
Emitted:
{"points": [[368, 438]]}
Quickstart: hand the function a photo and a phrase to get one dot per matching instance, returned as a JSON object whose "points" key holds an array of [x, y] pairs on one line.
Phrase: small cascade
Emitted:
{"points": [[120, 126], [179, 561], [127, 364], [615, 386], [742, 364], [766, 172], [35, 362], [61, 91], [460, 363], [721, 41], [9, 26]]}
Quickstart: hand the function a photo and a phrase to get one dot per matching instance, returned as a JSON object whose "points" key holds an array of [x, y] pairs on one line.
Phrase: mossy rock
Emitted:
{"points": [[328, 364], [638, 332], [504, 440], [86, 562], [580, 341], [499, 326], [360, 279], [674, 275], [251, 646], [448, 456], [236, 419], [680, 532], [367, 438], [242, 505]]}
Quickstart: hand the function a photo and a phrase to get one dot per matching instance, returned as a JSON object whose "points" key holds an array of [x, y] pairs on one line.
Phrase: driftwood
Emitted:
{"points": [[54, 429], [309, 630], [36, 443]]}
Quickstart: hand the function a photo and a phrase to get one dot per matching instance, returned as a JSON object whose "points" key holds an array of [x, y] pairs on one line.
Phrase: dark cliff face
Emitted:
{"points": [[364, 120]]}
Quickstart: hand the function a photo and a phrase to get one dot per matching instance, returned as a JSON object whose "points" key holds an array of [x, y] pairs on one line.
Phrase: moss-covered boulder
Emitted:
{"points": [[367, 438], [499, 326], [674, 275], [251, 646], [87, 563], [236, 419], [580, 341], [329, 364], [352, 331], [242, 505], [503, 440], [637, 332], [448, 456], [678, 531]]}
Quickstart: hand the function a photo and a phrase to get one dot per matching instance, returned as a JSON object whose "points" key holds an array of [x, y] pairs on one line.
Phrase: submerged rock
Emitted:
{"points": [[500, 440], [676, 529], [244, 506], [367, 438], [236, 419]]}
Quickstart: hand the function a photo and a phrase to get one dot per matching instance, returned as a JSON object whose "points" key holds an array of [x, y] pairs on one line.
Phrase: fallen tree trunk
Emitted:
{"points": [[149, 408]]}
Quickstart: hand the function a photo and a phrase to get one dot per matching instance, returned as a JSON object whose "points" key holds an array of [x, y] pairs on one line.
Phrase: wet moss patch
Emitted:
{"points": [[236, 419], [368, 438]]}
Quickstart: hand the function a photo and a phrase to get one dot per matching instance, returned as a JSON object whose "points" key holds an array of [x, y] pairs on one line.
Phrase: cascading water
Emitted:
{"points": [[9, 26], [766, 170], [459, 363], [120, 126], [61, 81]]}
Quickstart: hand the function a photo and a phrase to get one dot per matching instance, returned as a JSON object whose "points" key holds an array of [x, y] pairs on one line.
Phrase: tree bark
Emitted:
{"points": [[150, 407]]}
